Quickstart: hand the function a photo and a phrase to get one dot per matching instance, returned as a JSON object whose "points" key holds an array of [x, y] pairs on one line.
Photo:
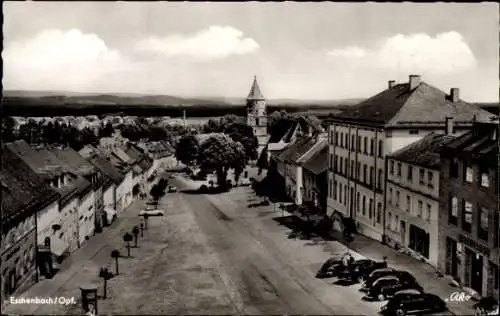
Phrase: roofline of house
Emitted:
{"points": [[435, 168]]}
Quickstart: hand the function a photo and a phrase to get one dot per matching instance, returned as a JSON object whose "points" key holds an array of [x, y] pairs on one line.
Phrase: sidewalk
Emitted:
{"points": [[77, 261]]}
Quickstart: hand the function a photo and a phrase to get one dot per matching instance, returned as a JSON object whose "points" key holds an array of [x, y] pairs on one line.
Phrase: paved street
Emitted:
{"points": [[207, 255], [210, 254]]}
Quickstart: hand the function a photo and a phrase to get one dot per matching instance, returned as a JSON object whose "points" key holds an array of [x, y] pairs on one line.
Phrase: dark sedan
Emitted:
{"points": [[384, 274], [407, 304], [386, 288], [360, 269]]}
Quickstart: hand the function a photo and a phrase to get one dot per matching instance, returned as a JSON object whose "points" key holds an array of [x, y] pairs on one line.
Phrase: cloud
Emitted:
{"points": [[62, 59], [216, 42], [446, 53], [348, 52]]}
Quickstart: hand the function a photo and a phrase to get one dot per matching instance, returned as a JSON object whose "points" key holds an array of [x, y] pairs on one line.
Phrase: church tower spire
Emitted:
{"points": [[257, 114]]}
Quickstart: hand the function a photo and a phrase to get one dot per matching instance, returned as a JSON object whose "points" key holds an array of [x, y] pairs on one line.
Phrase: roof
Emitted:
{"points": [[46, 164], [122, 155], [76, 162], [306, 121], [88, 151], [281, 129], [425, 152], [23, 191], [297, 149], [255, 93], [318, 162], [477, 144], [108, 169], [400, 106]]}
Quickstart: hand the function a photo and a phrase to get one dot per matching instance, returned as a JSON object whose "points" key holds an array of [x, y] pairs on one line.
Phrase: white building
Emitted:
{"points": [[362, 136], [412, 197]]}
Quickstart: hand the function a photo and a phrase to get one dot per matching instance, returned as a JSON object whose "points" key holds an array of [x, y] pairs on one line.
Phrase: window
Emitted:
{"points": [[341, 161], [493, 271], [341, 140], [391, 168], [352, 169], [340, 193], [379, 179], [358, 147], [364, 206], [389, 197], [372, 146], [336, 138], [408, 204], [421, 176], [396, 222], [410, 173], [485, 180], [420, 208], [335, 190], [389, 220], [379, 213], [370, 209], [483, 224], [353, 140], [345, 194], [399, 169], [430, 179], [358, 200], [467, 216], [330, 161], [454, 168], [365, 170], [372, 174], [358, 170], [413, 131], [346, 141], [336, 163], [429, 212], [469, 174], [257, 122], [380, 148], [365, 145], [397, 198], [346, 166], [453, 212]]}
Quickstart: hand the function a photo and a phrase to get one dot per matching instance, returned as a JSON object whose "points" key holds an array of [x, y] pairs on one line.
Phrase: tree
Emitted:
{"points": [[135, 232], [263, 161], [156, 193], [115, 254], [8, 134], [157, 133], [187, 149], [105, 130], [241, 132], [127, 238], [279, 122], [105, 275], [220, 153]]}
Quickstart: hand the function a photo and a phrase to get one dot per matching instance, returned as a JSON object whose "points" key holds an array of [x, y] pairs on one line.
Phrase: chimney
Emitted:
{"points": [[392, 83], [449, 125], [454, 94], [414, 81]]}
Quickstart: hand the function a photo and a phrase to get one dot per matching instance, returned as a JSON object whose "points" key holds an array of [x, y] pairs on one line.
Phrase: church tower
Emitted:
{"points": [[257, 115]]}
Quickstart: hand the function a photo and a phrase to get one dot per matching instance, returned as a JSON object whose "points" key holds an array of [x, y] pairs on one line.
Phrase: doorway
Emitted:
{"points": [[403, 233], [451, 255], [477, 273]]}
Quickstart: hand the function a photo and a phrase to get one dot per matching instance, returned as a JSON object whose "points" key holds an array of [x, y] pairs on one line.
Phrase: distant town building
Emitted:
{"points": [[363, 135], [469, 218], [257, 115]]}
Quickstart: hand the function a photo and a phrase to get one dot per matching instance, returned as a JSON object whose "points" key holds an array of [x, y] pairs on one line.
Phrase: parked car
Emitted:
{"points": [[151, 212], [379, 274], [386, 288], [171, 189], [407, 304], [329, 267], [360, 269]]}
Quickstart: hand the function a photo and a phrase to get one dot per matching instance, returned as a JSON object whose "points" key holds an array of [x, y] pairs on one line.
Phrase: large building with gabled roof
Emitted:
{"points": [[361, 137]]}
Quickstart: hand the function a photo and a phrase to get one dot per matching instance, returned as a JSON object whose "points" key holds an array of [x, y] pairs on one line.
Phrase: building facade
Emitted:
{"points": [[23, 194], [361, 137], [469, 217], [257, 115], [412, 197]]}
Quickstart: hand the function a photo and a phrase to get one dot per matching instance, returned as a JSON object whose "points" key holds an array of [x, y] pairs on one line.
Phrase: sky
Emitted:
{"points": [[307, 50]]}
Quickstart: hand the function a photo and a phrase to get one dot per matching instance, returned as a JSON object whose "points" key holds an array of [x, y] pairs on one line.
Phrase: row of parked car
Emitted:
{"points": [[380, 282]]}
